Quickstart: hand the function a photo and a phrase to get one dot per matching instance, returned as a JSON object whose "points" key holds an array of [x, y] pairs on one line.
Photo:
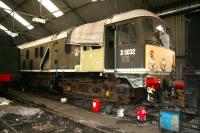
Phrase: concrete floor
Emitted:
{"points": [[107, 123]]}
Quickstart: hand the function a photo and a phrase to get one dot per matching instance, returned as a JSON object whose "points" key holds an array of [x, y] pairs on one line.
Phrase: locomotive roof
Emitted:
{"points": [[91, 33], [129, 15]]}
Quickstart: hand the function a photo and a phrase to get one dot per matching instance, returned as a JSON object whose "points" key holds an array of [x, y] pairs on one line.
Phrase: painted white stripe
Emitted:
{"points": [[109, 70], [160, 73], [141, 69], [131, 70], [54, 70]]}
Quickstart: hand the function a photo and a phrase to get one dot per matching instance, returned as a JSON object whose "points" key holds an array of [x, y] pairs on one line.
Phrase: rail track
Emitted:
{"points": [[93, 126], [97, 122], [71, 127]]}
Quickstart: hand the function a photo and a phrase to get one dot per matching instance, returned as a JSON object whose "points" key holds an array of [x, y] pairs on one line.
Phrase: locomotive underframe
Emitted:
{"points": [[85, 86]]}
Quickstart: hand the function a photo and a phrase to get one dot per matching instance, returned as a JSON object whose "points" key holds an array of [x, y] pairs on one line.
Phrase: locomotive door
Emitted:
{"points": [[128, 50], [109, 47], [53, 54]]}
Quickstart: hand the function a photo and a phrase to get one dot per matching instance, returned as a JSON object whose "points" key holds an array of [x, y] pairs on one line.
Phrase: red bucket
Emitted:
{"points": [[96, 105], [141, 114], [6, 77]]}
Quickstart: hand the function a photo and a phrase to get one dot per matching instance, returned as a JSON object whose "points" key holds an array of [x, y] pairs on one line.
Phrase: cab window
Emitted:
{"points": [[148, 25], [67, 48], [127, 33]]}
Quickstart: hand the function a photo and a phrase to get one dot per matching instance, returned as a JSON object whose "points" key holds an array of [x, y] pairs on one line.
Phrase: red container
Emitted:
{"points": [[179, 84], [153, 82], [96, 105], [141, 114], [6, 77]]}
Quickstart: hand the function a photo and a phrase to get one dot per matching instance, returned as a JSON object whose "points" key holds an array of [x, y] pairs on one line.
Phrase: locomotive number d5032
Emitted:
{"points": [[127, 52]]}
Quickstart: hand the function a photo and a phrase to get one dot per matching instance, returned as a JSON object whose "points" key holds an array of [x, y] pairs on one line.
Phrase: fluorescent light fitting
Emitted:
{"points": [[10, 33], [5, 7], [39, 20], [13, 34], [51, 7], [16, 16], [22, 21]]}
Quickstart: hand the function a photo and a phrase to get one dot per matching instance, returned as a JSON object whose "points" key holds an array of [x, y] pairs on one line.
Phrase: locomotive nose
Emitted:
{"points": [[159, 59]]}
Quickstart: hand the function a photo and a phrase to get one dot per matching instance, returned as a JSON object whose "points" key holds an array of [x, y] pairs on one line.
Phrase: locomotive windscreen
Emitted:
{"points": [[155, 32], [133, 35]]}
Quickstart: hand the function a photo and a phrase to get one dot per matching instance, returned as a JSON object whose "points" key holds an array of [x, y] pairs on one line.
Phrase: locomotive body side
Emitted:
{"points": [[70, 51], [46, 57]]}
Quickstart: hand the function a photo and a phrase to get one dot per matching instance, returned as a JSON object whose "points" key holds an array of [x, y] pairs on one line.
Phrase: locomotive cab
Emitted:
{"points": [[143, 52], [138, 40]]}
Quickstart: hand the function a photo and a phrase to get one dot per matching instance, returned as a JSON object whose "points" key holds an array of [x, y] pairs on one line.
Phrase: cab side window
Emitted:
{"points": [[123, 35], [127, 33], [148, 25], [67, 48]]}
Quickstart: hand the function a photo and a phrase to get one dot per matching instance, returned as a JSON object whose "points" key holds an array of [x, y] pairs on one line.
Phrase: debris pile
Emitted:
{"points": [[4, 101], [19, 110], [24, 111], [27, 119]]}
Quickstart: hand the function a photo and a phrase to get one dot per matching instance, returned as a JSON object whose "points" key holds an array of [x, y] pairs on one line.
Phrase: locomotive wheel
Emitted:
{"points": [[122, 91], [109, 109]]}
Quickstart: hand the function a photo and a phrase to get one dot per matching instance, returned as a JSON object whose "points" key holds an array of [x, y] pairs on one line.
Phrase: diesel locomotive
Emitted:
{"points": [[116, 59], [9, 66]]}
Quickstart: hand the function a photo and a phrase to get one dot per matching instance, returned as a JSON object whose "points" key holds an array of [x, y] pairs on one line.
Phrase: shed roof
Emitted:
{"points": [[90, 33], [76, 12]]}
